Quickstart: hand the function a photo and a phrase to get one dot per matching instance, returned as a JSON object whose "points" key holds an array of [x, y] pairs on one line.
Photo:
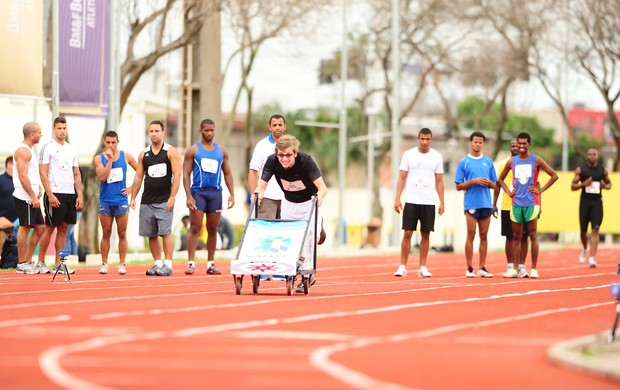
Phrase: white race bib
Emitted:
{"points": [[523, 172], [158, 170], [209, 165], [594, 188], [116, 174]]}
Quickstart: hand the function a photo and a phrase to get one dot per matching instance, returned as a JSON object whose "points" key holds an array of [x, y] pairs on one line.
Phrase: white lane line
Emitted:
{"points": [[34, 321]]}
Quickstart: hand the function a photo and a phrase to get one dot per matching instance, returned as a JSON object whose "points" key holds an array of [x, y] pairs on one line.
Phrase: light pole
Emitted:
{"points": [[342, 133], [395, 125]]}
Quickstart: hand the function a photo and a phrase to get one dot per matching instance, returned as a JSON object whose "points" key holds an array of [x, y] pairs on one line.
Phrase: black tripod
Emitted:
{"points": [[62, 267]]}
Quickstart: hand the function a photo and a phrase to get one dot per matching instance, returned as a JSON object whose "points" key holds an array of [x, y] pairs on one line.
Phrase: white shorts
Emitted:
{"points": [[301, 211]]}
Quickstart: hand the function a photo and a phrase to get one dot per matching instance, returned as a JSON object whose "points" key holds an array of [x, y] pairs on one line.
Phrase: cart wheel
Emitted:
{"points": [[255, 283], [290, 284], [238, 284], [306, 285]]}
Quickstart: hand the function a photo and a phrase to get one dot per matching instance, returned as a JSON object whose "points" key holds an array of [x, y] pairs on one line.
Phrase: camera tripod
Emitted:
{"points": [[62, 267]]}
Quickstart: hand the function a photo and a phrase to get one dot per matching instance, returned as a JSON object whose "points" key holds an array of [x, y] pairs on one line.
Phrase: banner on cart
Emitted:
{"points": [[270, 247]]}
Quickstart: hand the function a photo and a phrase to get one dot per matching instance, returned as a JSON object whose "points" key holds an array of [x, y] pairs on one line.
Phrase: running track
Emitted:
{"points": [[360, 328]]}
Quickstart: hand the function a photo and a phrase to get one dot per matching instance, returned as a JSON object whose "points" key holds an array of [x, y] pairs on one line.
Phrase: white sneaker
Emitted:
{"points": [[470, 274], [104, 268], [523, 273], [483, 273], [510, 273], [122, 270], [42, 268], [423, 272], [26, 269], [592, 262], [582, 256], [534, 273], [401, 271]]}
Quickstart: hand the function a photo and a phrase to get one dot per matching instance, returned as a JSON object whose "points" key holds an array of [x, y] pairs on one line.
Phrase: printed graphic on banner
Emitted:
{"points": [[84, 54], [268, 240], [21, 34]]}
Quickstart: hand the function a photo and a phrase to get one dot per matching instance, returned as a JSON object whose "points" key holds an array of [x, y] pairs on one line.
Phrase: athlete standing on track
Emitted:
{"points": [[475, 174], [160, 166], [526, 198], [421, 175], [591, 178]]}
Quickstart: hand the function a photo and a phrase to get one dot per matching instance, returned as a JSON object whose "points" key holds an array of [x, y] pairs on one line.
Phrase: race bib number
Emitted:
{"points": [[420, 182], [158, 170], [293, 186], [65, 164], [209, 165], [116, 174], [594, 188], [523, 173]]}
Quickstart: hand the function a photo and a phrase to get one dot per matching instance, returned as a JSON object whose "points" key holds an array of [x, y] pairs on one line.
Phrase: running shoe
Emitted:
{"points": [[470, 274], [300, 288], [190, 270], [42, 268], [213, 271], [592, 262], [122, 270], [582, 256], [104, 269], [152, 271], [534, 273], [511, 273], [424, 273], [164, 270], [523, 273], [26, 269], [401, 271], [62, 270], [483, 273]]}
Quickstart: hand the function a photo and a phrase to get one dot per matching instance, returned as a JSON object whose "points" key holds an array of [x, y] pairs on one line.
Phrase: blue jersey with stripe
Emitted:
{"points": [[110, 191], [207, 169]]}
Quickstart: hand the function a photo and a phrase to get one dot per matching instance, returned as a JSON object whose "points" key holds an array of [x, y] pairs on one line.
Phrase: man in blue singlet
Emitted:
{"points": [[525, 196], [111, 167], [160, 166], [205, 163]]}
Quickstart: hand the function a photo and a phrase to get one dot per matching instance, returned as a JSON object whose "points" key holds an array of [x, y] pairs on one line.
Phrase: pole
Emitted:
{"points": [[114, 78], [55, 74], [395, 145], [342, 134]]}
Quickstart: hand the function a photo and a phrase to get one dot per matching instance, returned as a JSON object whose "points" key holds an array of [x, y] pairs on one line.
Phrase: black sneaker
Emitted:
{"points": [[213, 271], [300, 288]]}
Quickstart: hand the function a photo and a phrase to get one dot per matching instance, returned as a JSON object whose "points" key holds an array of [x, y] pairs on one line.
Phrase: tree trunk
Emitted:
{"points": [[89, 221]]}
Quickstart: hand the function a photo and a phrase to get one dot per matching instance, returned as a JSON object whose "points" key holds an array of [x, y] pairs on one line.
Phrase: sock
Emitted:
{"points": [[521, 266], [210, 263], [511, 266], [470, 269], [168, 263], [484, 269], [191, 263], [159, 263]]}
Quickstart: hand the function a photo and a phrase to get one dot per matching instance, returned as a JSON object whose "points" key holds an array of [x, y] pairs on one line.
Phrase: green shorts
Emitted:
{"points": [[524, 214]]}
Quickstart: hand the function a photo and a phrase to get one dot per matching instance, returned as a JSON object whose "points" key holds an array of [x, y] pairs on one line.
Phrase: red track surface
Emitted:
{"points": [[360, 327]]}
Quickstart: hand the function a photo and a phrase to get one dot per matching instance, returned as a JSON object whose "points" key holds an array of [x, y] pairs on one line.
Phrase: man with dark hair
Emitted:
{"points": [[421, 175], [59, 170], [160, 166], [26, 201], [111, 167], [475, 174], [591, 178], [525, 196], [270, 207], [205, 163]]}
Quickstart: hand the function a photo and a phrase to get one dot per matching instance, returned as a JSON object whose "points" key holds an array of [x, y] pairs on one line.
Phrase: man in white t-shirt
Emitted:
{"points": [[421, 175], [60, 175], [270, 206]]}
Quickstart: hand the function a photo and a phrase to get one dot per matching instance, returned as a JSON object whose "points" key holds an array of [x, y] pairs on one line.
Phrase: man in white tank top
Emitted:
{"points": [[26, 196]]}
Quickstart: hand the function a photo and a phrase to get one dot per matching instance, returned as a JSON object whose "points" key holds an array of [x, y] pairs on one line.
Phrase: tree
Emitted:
{"points": [[147, 27]]}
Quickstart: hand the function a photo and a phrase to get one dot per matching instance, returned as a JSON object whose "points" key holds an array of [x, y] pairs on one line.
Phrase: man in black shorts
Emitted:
{"points": [[591, 178], [60, 175]]}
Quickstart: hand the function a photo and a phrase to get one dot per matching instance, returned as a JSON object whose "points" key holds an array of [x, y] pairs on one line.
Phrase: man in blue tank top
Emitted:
{"points": [[204, 166], [160, 166], [111, 167], [591, 179]]}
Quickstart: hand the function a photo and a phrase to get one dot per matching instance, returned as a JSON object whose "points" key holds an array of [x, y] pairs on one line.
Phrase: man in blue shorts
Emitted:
{"points": [[205, 163], [59, 170], [160, 166], [111, 167], [475, 174], [525, 194]]}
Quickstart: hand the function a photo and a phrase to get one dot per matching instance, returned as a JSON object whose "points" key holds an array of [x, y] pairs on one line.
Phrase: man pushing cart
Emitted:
{"points": [[301, 224]]}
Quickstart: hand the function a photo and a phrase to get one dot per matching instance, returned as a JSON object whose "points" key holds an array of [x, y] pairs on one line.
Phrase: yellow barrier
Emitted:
{"points": [[560, 205], [355, 236]]}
